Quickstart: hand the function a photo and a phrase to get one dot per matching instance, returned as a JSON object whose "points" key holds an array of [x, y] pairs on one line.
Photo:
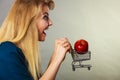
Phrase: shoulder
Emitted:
{"points": [[9, 48], [10, 52], [13, 64]]}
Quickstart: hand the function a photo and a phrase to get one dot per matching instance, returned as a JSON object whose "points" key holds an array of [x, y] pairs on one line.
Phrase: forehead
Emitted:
{"points": [[45, 9]]}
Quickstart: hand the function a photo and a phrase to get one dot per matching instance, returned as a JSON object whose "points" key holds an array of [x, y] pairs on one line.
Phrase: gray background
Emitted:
{"points": [[97, 21]]}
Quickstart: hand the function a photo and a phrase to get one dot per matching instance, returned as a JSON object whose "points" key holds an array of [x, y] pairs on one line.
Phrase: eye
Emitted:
{"points": [[46, 18]]}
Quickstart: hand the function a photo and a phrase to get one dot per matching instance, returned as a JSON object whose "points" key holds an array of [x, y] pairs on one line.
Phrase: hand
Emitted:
{"points": [[62, 46]]}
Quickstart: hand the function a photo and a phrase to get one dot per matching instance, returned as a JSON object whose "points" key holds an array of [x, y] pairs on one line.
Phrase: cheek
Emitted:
{"points": [[39, 26]]}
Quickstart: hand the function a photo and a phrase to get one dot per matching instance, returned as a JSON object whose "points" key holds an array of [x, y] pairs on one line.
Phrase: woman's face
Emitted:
{"points": [[43, 23]]}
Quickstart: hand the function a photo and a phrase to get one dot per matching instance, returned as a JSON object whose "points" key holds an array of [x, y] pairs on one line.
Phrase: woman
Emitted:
{"points": [[23, 27]]}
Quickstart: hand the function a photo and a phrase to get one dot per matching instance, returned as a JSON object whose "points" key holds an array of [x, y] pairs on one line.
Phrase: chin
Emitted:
{"points": [[41, 40]]}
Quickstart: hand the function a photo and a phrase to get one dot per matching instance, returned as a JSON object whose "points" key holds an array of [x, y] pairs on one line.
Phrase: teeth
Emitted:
{"points": [[45, 30]]}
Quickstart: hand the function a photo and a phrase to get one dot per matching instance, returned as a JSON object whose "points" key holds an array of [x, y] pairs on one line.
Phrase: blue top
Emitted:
{"points": [[13, 65]]}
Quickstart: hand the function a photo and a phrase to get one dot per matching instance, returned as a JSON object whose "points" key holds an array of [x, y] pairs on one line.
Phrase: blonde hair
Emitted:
{"points": [[20, 28]]}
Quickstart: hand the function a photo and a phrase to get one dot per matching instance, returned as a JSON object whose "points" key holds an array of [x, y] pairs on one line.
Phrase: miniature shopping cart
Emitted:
{"points": [[78, 58]]}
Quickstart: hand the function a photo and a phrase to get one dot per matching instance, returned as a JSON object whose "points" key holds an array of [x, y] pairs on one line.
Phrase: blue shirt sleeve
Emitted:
{"points": [[13, 65]]}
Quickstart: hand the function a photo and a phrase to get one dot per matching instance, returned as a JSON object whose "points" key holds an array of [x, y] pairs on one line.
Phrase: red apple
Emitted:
{"points": [[81, 46]]}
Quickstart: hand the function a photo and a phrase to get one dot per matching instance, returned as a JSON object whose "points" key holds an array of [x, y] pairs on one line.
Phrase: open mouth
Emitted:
{"points": [[44, 32]]}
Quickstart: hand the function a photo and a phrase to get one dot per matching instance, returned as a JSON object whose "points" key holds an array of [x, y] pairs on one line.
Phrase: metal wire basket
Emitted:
{"points": [[78, 58]]}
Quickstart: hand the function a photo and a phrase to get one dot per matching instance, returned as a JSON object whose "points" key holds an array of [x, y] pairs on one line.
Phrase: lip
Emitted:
{"points": [[47, 28]]}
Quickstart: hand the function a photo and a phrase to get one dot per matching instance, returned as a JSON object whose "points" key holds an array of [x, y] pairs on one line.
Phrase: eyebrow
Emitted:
{"points": [[46, 13]]}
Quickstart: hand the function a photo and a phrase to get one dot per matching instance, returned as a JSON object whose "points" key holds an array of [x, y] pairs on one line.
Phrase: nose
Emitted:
{"points": [[50, 22]]}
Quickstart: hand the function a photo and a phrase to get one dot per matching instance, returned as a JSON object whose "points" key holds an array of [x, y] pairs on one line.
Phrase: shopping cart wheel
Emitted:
{"points": [[88, 68], [73, 68]]}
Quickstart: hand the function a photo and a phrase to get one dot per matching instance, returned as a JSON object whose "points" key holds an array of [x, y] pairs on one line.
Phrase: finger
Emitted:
{"points": [[66, 43], [64, 39], [61, 40], [68, 46], [58, 41], [70, 50]]}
